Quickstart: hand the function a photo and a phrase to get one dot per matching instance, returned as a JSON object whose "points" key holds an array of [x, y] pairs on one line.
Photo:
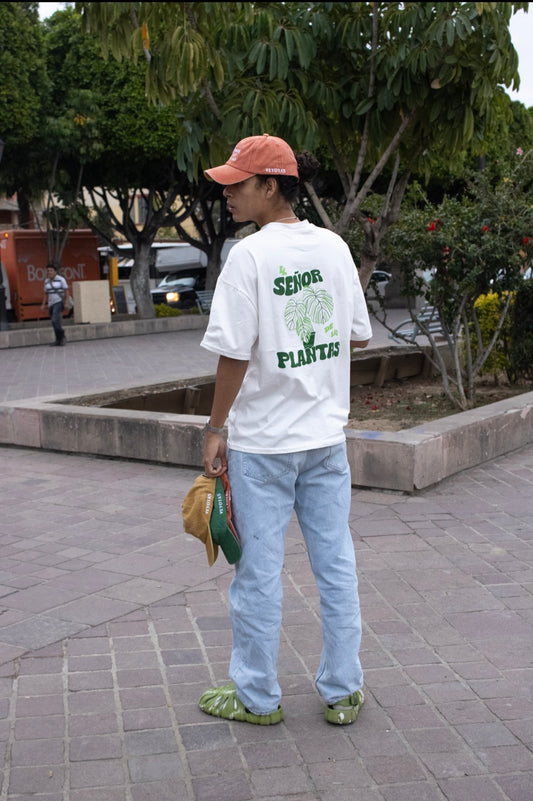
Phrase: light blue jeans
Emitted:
{"points": [[265, 489]]}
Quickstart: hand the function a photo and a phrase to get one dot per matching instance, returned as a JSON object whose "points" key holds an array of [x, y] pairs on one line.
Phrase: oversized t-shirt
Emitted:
{"points": [[289, 300]]}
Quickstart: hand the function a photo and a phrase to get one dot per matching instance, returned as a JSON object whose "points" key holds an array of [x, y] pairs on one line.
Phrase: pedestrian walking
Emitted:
{"points": [[287, 309], [56, 294]]}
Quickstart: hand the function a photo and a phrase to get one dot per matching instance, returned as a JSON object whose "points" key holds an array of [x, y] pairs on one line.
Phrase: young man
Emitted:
{"points": [[56, 293], [287, 309]]}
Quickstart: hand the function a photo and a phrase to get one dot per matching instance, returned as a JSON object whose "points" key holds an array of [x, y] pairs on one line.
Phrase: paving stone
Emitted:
{"points": [[415, 791], [33, 780], [175, 790], [223, 787], [115, 626], [157, 741], [394, 769], [451, 764], [219, 760], [507, 758], [39, 728], [154, 767], [278, 780], [517, 787], [37, 752], [97, 773], [86, 725], [471, 788], [485, 735]]}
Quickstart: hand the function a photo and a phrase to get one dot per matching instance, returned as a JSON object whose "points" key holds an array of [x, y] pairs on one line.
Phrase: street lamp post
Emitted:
{"points": [[3, 313]]}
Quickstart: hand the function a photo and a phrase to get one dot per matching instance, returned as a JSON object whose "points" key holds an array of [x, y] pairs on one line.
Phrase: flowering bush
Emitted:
{"points": [[455, 251]]}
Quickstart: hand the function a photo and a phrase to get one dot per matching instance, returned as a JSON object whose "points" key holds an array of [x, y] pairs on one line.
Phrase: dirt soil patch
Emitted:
{"points": [[409, 402]]}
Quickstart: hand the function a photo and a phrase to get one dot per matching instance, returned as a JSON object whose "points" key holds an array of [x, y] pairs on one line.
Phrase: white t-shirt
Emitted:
{"points": [[289, 300], [55, 289]]}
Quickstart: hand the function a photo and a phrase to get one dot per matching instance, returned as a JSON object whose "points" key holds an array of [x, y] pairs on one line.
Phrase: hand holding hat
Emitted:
{"points": [[206, 513]]}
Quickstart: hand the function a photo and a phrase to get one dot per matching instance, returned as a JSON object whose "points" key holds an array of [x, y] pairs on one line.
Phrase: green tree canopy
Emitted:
{"points": [[23, 99], [116, 148], [376, 89]]}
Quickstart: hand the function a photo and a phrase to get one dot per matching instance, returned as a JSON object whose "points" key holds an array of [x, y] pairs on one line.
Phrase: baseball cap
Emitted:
{"points": [[222, 533], [205, 516], [256, 155]]}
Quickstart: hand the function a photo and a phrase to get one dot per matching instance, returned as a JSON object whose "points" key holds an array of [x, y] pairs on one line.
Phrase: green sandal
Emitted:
{"points": [[222, 702], [345, 711]]}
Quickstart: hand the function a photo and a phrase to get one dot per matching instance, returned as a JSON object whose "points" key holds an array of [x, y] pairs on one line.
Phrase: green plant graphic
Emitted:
{"points": [[314, 307]]}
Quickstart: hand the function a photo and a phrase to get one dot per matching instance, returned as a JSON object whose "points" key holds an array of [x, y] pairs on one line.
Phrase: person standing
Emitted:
{"points": [[287, 309], [56, 293]]}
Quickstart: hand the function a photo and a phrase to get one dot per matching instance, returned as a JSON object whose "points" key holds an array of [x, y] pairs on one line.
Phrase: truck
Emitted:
{"points": [[24, 256]]}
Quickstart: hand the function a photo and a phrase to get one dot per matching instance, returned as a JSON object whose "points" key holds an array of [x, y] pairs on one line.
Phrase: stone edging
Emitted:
{"points": [[43, 335], [406, 460]]}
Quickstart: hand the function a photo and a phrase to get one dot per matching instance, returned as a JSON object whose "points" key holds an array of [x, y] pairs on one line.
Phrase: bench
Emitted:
{"points": [[204, 298], [426, 320]]}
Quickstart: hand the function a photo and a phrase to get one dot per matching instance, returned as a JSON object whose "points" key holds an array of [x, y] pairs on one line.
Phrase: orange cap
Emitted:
{"points": [[256, 155]]}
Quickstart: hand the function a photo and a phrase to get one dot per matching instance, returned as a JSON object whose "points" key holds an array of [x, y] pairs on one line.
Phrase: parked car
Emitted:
{"points": [[178, 289], [377, 284]]}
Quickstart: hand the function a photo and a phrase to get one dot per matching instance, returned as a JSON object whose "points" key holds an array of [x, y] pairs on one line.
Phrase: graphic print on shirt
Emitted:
{"points": [[308, 306]]}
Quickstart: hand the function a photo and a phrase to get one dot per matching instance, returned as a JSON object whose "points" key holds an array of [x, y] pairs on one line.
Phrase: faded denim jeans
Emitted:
{"points": [[265, 489], [56, 316]]}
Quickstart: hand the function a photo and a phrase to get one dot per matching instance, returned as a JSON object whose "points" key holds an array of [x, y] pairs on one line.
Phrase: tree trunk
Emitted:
{"points": [[213, 263], [25, 212], [140, 280]]}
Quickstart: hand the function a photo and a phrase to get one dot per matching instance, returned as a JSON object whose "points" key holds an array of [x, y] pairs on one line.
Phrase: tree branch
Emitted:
{"points": [[354, 200], [317, 203]]}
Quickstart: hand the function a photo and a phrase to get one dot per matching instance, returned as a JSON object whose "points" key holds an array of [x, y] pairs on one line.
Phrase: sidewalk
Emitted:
{"points": [[112, 624]]}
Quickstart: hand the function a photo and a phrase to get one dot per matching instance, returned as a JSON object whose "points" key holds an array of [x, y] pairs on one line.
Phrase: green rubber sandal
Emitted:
{"points": [[222, 702], [344, 712]]}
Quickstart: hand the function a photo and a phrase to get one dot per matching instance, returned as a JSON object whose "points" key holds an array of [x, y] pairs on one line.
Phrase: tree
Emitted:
{"points": [[127, 149], [379, 89], [23, 98]]}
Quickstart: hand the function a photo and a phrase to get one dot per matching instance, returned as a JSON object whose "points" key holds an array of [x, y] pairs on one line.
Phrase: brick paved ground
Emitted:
{"points": [[111, 624]]}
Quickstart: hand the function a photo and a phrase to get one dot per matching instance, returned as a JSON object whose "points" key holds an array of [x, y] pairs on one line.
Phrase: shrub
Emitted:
{"points": [[488, 309], [162, 310]]}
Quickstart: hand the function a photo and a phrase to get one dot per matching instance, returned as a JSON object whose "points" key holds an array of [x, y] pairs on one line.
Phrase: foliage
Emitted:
{"points": [[377, 89], [24, 92], [23, 72], [455, 251], [521, 352], [162, 310], [488, 309]]}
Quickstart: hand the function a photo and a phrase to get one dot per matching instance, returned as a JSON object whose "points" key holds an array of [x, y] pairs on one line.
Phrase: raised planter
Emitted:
{"points": [[406, 460]]}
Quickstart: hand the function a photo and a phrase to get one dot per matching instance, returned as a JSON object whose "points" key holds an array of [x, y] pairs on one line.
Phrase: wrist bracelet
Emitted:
{"points": [[214, 429]]}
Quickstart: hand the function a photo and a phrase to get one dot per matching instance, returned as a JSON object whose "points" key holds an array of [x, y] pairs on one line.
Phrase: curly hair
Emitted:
{"points": [[289, 185]]}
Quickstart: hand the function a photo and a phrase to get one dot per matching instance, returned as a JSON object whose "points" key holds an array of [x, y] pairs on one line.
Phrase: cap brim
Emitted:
{"points": [[222, 533], [226, 174], [226, 539]]}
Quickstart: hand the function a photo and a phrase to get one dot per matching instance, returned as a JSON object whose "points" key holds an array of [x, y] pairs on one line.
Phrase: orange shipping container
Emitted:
{"points": [[24, 255]]}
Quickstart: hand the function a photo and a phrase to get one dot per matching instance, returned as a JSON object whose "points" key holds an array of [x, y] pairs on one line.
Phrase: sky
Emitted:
{"points": [[521, 33]]}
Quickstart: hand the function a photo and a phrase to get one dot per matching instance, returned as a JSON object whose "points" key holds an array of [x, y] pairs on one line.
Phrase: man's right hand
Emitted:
{"points": [[215, 456]]}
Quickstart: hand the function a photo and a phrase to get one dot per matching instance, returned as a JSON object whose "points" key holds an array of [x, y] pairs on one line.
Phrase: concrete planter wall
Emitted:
{"points": [[406, 460]]}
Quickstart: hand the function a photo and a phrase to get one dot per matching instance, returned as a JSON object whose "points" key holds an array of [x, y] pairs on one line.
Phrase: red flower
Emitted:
{"points": [[525, 240], [485, 229], [446, 251], [432, 226], [371, 220]]}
